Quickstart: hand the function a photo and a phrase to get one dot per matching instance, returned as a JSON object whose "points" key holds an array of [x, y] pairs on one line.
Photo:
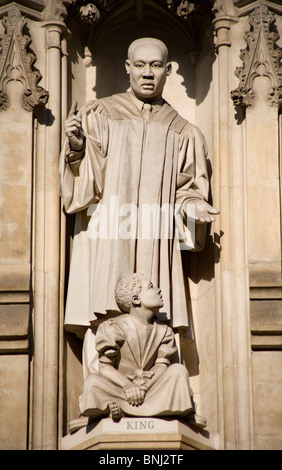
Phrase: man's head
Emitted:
{"points": [[148, 68], [136, 290]]}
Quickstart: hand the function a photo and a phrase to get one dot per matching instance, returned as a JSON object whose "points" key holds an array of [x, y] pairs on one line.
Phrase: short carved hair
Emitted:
{"points": [[140, 41], [126, 287]]}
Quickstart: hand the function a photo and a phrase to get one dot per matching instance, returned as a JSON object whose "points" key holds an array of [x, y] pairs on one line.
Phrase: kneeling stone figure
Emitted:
{"points": [[137, 375]]}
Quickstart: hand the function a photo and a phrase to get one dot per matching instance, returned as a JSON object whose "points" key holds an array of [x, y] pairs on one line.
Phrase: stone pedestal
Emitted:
{"points": [[138, 434]]}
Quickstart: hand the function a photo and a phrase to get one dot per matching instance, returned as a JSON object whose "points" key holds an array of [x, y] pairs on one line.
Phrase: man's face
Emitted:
{"points": [[150, 296], [148, 70]]}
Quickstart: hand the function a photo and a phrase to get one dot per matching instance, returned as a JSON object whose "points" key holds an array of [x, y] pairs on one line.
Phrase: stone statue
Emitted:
{"points": [[131, 153], [136, 374]]}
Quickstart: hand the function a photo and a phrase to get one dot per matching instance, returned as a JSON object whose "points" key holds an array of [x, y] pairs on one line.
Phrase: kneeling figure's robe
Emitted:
{"points": [[133, 353]]}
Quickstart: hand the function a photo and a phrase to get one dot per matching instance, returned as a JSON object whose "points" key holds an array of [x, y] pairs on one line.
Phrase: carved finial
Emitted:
{"points": [[262, 57], [88, 59], [16, 63]]}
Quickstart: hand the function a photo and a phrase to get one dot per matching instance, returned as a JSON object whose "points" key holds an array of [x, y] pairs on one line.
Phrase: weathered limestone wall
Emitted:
{"points": [[17, 238], [261, 172]]}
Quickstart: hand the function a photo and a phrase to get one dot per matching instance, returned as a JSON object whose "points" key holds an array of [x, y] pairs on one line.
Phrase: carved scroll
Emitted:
{"points": [[262, 57], [16, 64]]}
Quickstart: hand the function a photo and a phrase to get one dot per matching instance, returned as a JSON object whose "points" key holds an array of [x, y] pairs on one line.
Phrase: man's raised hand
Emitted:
{"points": [[73, 128]]}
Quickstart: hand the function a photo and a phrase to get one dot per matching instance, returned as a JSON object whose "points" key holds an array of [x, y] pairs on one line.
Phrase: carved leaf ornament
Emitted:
{"points": [[262, 57], [16, 64]]}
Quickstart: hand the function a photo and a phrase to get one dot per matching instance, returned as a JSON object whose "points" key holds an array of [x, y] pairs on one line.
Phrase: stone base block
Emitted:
{"points": [[138, 434]]}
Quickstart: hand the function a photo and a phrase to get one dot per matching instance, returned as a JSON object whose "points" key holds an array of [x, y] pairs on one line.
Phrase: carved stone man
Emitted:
{"points": [[137, 376], [131, 153]]}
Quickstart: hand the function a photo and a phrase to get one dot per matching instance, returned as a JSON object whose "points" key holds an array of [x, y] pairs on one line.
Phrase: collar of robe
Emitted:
{"points": [[155, 105]]}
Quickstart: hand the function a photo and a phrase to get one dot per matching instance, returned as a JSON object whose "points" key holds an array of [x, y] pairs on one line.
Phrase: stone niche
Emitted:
{"points": [[95, 70]]}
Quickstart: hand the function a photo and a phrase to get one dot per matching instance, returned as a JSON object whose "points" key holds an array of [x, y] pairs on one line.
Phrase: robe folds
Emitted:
{"points": [[123, 346], [133, 171]]}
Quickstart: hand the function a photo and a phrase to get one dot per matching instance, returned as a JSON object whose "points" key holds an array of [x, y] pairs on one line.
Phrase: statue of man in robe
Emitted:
{"points": [[131, 152]]}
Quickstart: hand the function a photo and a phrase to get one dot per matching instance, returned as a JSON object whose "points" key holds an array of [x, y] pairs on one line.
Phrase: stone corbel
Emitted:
{"points": [[181, 8], [16, 63], [91, 12], [260, 58]]}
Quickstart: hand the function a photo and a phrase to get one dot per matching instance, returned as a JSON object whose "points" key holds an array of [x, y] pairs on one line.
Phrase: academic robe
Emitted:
{"points": [[130, 163], [121, 345]]}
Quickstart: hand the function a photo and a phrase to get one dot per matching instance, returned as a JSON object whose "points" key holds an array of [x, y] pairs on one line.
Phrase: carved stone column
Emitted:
{"points": [[234, 376], [47, 255]]}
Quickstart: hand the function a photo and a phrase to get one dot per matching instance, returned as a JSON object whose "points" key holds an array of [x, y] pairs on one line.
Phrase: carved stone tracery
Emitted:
{"points": [[262, 57], [16, 64]]}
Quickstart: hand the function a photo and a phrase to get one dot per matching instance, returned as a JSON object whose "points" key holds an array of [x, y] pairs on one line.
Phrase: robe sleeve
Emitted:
{"points": [[79, 192], [109, 340], [192, 178], [192, 184], [167, 348]]}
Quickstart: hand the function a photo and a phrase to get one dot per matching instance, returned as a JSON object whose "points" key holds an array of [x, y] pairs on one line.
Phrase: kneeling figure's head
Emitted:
{"points": [[137, 291]]}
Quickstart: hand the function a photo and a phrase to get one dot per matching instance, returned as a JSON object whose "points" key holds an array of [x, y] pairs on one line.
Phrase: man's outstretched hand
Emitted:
{"points": [[73, 128], [201, 211]]}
